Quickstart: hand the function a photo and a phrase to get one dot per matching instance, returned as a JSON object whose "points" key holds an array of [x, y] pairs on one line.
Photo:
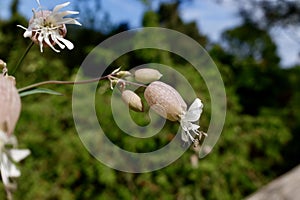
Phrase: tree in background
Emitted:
{"points": [[263, 84]]}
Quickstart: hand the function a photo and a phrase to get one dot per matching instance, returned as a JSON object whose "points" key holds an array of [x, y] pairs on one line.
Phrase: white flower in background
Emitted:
{"points": [[7, 158], [48, 28]]}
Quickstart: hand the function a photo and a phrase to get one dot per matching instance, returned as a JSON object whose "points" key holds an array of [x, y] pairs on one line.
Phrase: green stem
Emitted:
{"points": [[22, 58], [60, 82], [73, 82]]}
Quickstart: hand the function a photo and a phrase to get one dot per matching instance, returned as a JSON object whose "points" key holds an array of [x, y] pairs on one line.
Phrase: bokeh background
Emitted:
{"points": [[253, 43]]}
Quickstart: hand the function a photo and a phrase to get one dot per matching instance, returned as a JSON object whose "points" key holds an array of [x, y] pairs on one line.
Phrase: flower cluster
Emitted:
{"points": [[163, 99], [48, 28]]}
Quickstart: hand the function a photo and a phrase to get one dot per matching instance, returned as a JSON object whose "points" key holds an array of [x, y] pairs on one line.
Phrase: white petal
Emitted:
{"points": [[12, 170], [46, 39], [40, 39], [193, 127], [19, 154], [22, 27], [66, 42], [3, 137], [8, 169], [53, 37], [4, 175], [197, 103], [8, 139], [60, 15], [27, 34], [116, 70], [184, 136], [60, 6], [194, 112], [68, 21], [3, 168]]}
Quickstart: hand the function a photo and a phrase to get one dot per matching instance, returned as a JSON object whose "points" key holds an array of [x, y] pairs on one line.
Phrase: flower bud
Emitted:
{"points": [[165, 101], [122, 74], [133, 100], [10, 103], [147, 75]]}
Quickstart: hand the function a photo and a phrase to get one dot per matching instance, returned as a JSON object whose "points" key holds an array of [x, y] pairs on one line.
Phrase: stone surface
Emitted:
{"points": [[286, 187]]}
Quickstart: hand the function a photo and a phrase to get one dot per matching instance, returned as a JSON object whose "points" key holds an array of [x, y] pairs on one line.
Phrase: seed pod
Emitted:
{"points": [[165, 101], [147, 75], [10, 104], [133, 100]]}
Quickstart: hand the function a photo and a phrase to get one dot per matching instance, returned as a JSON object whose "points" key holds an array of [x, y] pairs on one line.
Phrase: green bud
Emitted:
{"points": [[122, 74]]}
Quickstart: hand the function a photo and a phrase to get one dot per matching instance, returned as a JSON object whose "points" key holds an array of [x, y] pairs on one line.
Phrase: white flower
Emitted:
{"points": [[48, 28], [192, 115], [7, 158], [168, 103]]}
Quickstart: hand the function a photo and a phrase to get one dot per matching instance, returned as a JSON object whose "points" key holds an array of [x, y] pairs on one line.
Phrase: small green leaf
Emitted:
{"points": [[38, 91]]}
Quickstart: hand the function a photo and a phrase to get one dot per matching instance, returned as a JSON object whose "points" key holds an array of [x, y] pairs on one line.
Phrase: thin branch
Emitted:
{"points": [[76, 82], [22, 58], [51, 82]]}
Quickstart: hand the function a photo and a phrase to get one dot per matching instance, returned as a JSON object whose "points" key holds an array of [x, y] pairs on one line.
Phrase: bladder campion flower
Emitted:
{"points": [[48, 28], [165, 100], [192, 115], [168, 103]]}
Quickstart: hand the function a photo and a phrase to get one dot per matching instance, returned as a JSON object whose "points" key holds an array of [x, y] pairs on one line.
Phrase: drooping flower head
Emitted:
{"points": [[168, 103], [48, 28]]}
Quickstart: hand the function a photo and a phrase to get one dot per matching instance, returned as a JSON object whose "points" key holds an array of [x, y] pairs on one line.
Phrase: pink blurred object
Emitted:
{"points": [[10, 104]]}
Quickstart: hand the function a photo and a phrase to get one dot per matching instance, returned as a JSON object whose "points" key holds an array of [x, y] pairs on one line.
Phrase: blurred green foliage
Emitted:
{"points": [[258, 143]]}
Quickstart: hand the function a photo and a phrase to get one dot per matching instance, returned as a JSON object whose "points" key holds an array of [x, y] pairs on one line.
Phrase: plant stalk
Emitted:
{"points": [[22, 58]]}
